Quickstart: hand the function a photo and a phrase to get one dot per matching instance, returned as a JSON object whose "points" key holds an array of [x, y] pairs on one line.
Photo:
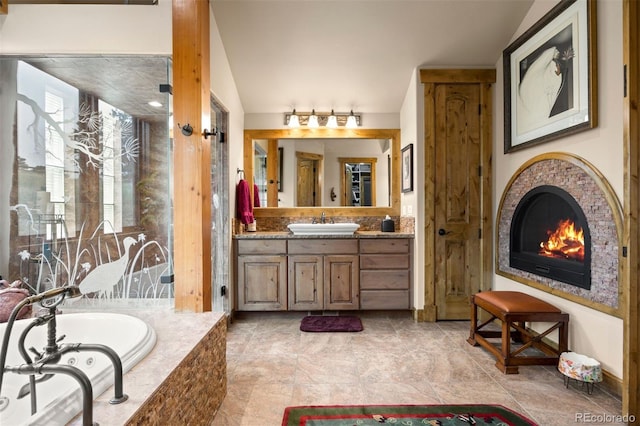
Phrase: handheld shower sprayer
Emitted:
{"points": [[70, 291]]}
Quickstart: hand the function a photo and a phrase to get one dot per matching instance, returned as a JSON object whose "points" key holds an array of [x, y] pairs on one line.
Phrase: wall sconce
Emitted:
{"points": [[330, 120]]}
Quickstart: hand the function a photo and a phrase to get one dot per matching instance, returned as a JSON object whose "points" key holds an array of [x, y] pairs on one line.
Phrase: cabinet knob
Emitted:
{"points": [[443, 232]]}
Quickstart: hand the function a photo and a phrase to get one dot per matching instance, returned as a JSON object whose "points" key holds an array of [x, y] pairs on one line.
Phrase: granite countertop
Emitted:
{"points": [[289, 235]]}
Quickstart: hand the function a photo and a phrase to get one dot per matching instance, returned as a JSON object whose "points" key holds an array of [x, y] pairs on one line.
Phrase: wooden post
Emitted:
{"points": [[631, 237], [191, 156]]}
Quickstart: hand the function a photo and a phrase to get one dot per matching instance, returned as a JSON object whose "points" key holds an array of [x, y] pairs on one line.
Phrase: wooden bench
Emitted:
{"points": [[514, 309]]}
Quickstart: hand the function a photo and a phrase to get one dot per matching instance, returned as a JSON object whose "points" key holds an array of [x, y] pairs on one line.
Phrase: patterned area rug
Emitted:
{"points": [[318, 323], [435, 415]]}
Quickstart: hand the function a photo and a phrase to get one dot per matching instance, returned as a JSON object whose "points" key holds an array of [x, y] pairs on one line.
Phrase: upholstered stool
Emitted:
{"points": [[581, 368], [514, 309]]}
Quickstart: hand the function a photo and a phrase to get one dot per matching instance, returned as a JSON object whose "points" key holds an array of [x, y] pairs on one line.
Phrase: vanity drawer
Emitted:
{"points": [[324, 246], [385, 299], [384, 261], [260, 246], [398, 279], [384, 245]]}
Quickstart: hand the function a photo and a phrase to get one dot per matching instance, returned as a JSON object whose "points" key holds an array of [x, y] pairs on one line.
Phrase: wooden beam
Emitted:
{"points": [[191, 156], [631, 236]]}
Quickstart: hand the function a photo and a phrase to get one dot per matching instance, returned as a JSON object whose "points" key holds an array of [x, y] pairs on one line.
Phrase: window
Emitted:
{"points": [[54, 164], [118, 168]]}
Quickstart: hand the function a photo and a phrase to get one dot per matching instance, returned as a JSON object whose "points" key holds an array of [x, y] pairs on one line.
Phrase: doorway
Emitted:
{"points": [[308, 193], [220, 232], [458, 150]]}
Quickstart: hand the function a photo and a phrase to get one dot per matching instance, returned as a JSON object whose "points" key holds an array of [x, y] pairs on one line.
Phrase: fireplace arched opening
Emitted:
{"points": [[550, 237]]}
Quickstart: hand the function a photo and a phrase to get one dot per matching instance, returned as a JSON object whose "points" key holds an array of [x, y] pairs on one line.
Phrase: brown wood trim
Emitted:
{"points": [[192, 156], [631, 233], [273, 162], [486, 185], [4, 9], [458, 75], [430, 311], [394, 134]]}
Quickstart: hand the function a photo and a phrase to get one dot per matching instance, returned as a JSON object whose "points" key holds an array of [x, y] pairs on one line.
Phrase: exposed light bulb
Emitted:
{"points": [[294, 121], [332, 121], [352, 123], [313, 120]]}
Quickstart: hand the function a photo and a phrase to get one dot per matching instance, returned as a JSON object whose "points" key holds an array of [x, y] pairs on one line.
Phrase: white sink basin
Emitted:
{"points": [[323, 228]]}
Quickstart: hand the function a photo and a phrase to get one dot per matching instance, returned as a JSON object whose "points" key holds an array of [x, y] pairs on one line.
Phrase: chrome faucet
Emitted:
{"points": [[323, 218]]}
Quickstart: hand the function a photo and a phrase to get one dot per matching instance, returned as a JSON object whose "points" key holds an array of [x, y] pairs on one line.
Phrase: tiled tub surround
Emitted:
{"points": [[602, 210], [182, 381]]}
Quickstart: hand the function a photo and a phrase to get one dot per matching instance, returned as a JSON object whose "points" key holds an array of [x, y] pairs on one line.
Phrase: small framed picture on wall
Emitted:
{"points": [[407, 168]]}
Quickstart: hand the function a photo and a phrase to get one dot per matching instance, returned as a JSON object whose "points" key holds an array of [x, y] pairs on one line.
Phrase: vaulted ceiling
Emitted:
{"points": [[354, 54]]}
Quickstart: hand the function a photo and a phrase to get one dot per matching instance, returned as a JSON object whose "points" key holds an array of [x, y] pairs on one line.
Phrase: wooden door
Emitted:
{"points": [[308, 179], [457, 263]]}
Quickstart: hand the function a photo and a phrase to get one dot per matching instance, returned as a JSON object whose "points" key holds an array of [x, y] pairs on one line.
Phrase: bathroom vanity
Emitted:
{"points": [[278, 271]]}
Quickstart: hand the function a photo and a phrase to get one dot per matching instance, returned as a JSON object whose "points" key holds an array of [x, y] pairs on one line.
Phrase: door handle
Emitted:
{"points": [[443, 232]]}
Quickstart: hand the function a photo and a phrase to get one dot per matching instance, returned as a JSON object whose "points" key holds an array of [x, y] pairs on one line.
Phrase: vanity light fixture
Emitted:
{"points": [[293, 120], [313, 120], [352, 123], [330, 120]]}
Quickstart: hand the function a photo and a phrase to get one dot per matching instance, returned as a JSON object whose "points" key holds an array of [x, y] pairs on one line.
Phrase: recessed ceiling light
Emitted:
{"points": [[155, 104]]}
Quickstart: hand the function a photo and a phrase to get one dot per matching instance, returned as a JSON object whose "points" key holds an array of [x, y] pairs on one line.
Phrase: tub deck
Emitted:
{"points": [[177, 336]]}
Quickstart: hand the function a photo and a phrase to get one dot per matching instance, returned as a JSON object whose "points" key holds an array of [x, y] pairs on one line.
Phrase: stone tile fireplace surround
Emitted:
{"points": [[603, 213]]}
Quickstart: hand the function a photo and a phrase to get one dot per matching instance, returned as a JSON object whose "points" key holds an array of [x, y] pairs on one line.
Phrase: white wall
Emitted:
{"points": [[224, 89], [96, 29], [590, 332], [412, 132]]}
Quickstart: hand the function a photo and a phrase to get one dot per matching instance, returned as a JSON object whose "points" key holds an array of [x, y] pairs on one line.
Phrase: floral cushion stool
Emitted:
{"points": [[580, 367]]}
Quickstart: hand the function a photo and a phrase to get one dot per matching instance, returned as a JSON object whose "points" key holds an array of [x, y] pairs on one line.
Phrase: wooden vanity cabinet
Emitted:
{"points": [[323, 274], [385, 273], [262, 275]]}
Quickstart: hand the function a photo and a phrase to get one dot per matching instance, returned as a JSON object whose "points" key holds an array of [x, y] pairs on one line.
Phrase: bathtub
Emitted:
{"points": [[60, 398]]}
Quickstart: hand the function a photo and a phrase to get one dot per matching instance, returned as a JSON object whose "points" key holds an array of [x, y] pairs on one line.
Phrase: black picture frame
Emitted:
{"points": [[280, 167], [550, 77], [406, 158]]}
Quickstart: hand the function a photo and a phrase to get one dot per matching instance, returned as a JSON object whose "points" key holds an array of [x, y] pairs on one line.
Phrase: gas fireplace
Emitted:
{"points": [[550, 237]]}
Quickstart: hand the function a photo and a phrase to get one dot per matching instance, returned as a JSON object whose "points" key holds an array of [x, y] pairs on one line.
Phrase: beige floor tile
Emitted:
{"points": [[394, 360]]}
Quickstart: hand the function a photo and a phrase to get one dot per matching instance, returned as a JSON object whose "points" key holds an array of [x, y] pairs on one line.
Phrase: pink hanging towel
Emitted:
{"points": [[244, 210]]}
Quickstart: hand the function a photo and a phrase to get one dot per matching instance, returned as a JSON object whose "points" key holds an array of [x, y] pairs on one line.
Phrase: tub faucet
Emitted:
{"points": [[323, 218], [46, 362]]}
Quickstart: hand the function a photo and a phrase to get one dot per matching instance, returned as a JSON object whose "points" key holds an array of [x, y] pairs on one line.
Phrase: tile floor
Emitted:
{"points": [[272, 365]]}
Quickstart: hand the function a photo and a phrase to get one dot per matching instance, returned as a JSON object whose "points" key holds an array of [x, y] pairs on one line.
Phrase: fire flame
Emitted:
{"points": [[565, 242]]}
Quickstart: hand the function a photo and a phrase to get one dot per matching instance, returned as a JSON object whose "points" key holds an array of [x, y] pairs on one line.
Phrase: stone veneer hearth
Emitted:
{"points": [[602, 210]]}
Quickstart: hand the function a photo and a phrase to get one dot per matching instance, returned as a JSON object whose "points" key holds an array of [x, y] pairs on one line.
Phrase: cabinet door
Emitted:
{"points": [[262, 283], [341, 282], [306, 281]]}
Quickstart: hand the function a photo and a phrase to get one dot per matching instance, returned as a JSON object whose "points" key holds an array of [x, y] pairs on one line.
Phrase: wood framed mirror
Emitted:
{"points": [[389, 181]]}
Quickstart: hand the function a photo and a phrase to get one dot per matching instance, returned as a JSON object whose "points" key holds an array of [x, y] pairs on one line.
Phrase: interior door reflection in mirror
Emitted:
{"points": [[358, 186], [308, 171]]}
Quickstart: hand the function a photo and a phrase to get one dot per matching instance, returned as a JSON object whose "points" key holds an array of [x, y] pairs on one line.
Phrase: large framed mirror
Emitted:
{"points": [[300, 172]]}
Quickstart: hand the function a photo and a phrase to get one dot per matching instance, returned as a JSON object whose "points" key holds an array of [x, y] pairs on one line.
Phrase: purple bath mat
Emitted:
{"points": [[317, 323]]}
